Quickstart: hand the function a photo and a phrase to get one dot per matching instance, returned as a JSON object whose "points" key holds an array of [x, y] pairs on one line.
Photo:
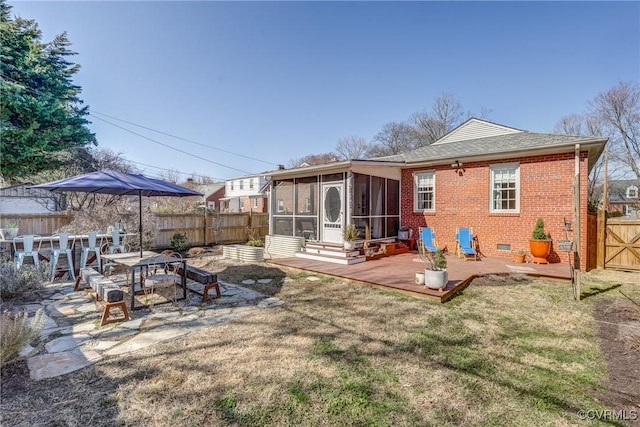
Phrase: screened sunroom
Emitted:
{"points": [[319, 204]]}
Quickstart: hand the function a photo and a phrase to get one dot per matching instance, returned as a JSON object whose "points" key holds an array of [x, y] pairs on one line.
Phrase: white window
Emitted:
{"points": [[505, 188], [424, 191], [251, 184], [231, 184], [280, 205], [255, 202], [307, 204], [242, 184], [632, 192], [241, 204]]}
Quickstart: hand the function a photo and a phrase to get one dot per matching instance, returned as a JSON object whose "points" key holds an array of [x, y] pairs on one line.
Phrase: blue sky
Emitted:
{"points": [[266, 82]]}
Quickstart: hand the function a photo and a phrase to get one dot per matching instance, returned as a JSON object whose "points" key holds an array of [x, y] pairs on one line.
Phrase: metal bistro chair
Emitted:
{"points": [[92, 245], [115, 244], [27, 241], [110, 267], [164, 275], [64, 245]]}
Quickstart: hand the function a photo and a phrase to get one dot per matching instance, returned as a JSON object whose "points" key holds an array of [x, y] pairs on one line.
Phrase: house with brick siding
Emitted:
{"points": [[493, 178]]}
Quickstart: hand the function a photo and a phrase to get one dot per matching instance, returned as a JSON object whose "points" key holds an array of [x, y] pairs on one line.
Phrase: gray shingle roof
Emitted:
{"points": [[513, 142]]}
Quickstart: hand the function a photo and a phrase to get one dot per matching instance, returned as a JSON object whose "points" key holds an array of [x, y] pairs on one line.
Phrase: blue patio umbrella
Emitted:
{"points": [[119, 183]]}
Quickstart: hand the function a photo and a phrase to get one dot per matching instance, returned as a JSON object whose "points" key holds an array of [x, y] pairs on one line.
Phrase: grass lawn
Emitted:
{"points": [[508, 351]]}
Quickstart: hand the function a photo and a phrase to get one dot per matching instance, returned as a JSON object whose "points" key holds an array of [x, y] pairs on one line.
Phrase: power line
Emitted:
{"points": [[168, 146], [183, 139], [177, 171], [39, 93]]}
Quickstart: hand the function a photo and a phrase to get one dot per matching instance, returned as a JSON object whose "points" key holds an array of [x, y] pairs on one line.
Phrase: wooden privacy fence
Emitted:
{"points": [[42, 224], [200, 229], [618, 243]]}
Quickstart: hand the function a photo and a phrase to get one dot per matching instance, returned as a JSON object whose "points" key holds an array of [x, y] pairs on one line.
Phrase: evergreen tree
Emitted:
{"points": [[42, 119]]}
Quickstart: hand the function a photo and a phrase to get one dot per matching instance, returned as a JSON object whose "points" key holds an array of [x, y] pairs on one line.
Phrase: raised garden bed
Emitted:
{"points": [[243, 253]]}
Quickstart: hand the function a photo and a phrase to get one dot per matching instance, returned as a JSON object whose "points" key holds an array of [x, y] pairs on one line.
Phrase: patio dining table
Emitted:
{"points": [[135, 263]]}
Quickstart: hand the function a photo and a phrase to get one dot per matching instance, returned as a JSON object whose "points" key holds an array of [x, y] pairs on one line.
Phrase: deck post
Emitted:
{"points": [[576, 215]]}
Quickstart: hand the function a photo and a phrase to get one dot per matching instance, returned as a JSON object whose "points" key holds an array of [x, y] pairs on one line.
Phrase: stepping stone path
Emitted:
{"points": [[72, 338]]}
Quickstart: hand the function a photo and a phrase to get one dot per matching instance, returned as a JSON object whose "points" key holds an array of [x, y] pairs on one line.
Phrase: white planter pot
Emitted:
{"points": [[436, 279], [348, 245], [419, 277], [8, 233]]}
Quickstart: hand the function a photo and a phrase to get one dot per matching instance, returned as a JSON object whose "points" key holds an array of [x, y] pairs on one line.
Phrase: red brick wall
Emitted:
{"points": [[546, 191], [248, 204]]}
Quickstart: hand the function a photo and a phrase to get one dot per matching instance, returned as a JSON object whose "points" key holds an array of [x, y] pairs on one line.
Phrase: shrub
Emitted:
{"points": [[538, 231], [254, 238], [19, 284], [17, 331], [179, 242]]}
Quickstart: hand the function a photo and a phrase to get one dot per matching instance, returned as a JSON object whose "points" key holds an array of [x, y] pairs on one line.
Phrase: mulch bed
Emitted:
{"points": [[619, 333]]}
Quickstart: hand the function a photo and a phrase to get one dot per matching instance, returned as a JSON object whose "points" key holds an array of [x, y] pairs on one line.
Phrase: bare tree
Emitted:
{"points": [[202, 179], [171, 175], [76, 163], [446, 113], [618, 110], [579, 125], [313, 159], [394, 138], [352, 147]]}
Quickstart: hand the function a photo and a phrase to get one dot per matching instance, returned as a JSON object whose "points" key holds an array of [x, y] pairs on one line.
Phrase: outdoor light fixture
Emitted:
{"points": [[457, 165]]}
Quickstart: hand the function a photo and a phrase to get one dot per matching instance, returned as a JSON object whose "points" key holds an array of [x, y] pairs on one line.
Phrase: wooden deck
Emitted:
{"points": [[398, 272]]}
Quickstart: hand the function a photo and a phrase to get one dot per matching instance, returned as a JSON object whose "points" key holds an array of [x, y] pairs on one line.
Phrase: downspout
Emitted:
{"points": [[578, 222]]}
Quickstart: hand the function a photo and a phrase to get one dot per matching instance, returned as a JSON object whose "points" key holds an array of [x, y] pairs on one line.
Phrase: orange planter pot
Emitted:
{"points": [[540, 250], [519, 258]]}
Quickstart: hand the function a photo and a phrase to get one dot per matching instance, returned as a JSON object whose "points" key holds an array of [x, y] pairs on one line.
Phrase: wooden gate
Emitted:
{"points": [[619, 247]]}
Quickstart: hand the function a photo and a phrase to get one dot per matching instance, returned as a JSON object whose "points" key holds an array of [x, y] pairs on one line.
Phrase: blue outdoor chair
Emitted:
{"points": [[427, 236], [465, 244]]}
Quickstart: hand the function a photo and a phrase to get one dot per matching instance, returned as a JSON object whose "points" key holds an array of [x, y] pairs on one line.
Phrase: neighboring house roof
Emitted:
{"points": [[209, 189], [618, 190], [23, 190]]}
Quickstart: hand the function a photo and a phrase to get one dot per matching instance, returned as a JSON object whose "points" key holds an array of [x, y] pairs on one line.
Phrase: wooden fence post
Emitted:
{"points": [[601, 231]]}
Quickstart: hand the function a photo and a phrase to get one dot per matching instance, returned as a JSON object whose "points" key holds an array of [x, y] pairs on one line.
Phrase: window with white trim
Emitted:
{"points": [[255, 202], [241, 204], [424, 191], [231, 185], [280, 205], [632, 192], [251, 184], [505, 188], [242, 184]]}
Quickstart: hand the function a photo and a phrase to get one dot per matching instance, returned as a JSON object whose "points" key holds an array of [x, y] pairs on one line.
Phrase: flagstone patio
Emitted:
{"points": [[73, 339]]}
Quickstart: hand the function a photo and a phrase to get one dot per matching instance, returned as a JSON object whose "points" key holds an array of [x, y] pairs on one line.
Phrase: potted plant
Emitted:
{"points": [[435, 272], [540, 243], [349, 234], [518, 255], [10, 231]]}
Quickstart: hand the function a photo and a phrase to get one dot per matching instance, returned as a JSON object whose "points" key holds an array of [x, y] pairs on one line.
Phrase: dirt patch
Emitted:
{"points": [[502, 280], [619, 333]]}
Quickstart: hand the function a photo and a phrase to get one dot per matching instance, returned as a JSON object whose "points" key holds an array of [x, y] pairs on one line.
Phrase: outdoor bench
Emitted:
{"points": [[208, 279], [107, 293]]}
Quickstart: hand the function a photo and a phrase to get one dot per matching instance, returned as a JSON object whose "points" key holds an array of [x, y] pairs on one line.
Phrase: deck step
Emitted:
{"points": [[330, 251], [333, 259]]}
